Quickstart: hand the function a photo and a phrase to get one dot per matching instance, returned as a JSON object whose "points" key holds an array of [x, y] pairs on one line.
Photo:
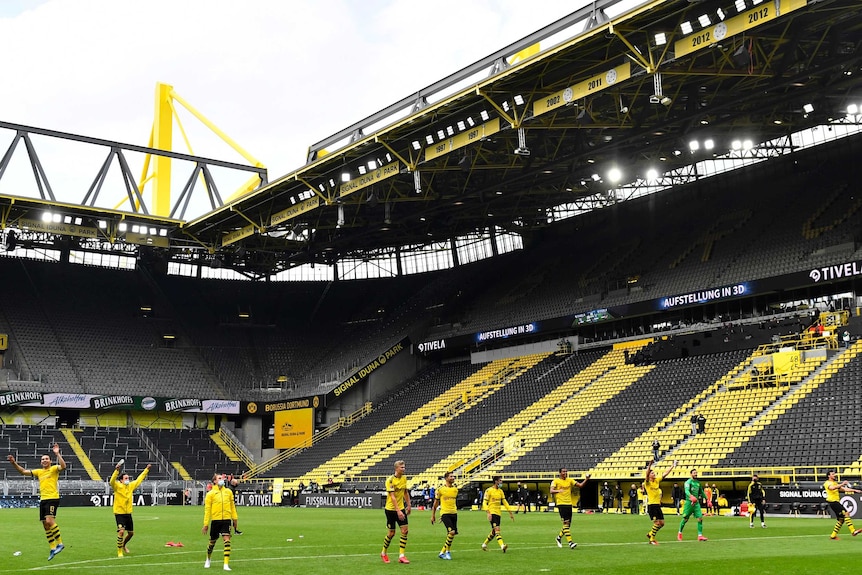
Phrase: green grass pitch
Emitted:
{"points": [[328, 541]]}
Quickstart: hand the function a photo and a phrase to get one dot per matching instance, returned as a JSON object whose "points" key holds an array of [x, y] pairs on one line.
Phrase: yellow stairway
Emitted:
{"points": [[79, 453]]}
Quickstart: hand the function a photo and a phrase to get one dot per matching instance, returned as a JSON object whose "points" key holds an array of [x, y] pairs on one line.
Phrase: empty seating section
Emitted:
{"points": [[425, 419], [28, 443], [548, 426], [105, 446], [598, 435], [475, 449], [484, 417], [816, 428], [194, 449], [405, 400]]}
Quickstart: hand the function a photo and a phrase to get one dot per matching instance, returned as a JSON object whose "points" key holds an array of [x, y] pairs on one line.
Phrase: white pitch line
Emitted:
{"points": [[127, 562]]}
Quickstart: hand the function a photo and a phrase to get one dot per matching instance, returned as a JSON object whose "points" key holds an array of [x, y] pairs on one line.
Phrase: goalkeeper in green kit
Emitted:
{"points": [[693, 496]]}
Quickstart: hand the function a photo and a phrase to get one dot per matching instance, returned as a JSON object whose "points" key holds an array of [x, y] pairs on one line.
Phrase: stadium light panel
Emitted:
{"points": [[123, 226], [46, 217], [686, 27], [660, 39], [56, 218]]}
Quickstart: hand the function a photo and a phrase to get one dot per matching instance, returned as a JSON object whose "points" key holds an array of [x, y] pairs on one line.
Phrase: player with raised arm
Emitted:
{"points": [[652, 485], [834, 489], [49, 495], [561, 489]]}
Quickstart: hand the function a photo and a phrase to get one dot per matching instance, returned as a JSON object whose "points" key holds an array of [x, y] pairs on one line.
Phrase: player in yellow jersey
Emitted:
{"points": [[397, 510], [219, 515], [561, 489], [123, 490], [49, 495], [492, 502], [446, 496], [833, 498], [652, 485]]}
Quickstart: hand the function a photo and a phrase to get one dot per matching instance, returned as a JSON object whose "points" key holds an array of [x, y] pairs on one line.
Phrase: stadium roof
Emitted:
{"points": [[499, 144]]}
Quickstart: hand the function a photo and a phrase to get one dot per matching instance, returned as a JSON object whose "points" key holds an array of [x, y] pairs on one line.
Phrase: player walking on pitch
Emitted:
{"points": [[693, 496], [446, 496], [219, 515], [397, 510], [561, 488], [49, 492], [494, 499]]}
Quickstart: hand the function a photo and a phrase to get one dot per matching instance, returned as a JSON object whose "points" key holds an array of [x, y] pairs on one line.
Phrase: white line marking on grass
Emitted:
{"points": [[129, 561]]}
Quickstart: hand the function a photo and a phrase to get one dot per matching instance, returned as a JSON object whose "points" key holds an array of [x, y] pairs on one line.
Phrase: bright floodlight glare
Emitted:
{"points": [[103, 224], [136, 229], [694, 145], [123, 226], [46, 217], [614, 175], [853, 109], [56, 218], [807, 108], [345, 177], [736, 145], [747, 144], [709, 144], [652, 175]]}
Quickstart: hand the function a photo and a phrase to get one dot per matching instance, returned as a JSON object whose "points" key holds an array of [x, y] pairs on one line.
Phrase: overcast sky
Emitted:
{"points": [[275, 75]]}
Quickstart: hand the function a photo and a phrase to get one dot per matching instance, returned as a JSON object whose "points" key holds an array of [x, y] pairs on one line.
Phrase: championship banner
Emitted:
{"points": [[293, 427]]}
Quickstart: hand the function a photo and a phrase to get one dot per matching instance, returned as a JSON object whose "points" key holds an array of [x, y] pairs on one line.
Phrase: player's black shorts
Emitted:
{"points": [[450, 520], [219, 527], [495, 521], [124, 521], [392, 519], [654, 511], [565, 512], [48, 508], [837, 509]]}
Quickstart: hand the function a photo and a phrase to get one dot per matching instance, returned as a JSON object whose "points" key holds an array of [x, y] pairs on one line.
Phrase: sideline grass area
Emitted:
{"points": [[329, 541]]}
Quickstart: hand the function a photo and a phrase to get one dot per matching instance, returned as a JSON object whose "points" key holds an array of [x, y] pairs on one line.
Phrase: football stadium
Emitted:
{"points": [[629, 242]]}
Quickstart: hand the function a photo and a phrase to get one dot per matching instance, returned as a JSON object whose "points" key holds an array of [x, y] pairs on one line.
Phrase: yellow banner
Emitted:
{"points": [[144, 240], [58, 228], [294, 210], [293, 427], [237, 235], [784, 361], [580, 90], [761, 14], [463, 139], [372, 177]]}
